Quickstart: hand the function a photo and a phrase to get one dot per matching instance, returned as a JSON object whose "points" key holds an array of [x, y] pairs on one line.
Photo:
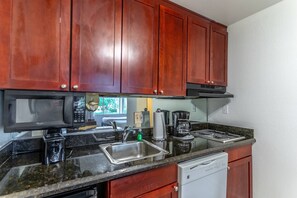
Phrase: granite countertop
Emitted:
{"points": [[24, 176]]}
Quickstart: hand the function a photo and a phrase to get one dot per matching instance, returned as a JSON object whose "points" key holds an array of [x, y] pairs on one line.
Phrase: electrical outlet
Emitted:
{"points": [[226, 109], [138, 119]]}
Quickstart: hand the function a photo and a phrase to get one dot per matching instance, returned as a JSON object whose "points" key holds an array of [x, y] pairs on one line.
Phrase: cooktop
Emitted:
{"points": [[218, 136]]}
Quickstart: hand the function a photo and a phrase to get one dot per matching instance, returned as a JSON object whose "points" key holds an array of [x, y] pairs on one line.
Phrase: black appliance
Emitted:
{"points": [[207, 91], [181, 123], [54, 148], [35, 110], [88, 192]]}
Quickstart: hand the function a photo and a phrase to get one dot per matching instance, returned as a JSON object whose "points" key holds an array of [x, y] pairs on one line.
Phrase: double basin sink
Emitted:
{"points": [[119, 153]]}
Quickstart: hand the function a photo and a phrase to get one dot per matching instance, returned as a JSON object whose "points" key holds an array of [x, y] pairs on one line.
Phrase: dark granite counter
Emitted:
{"points": [[24, 176]]}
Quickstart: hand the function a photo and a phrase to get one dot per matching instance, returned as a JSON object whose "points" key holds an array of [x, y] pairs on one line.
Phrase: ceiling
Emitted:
{"points": [[226, 11]]}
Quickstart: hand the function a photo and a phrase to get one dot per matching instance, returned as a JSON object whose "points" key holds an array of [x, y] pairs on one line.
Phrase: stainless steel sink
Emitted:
{"points": [[119, 152]]}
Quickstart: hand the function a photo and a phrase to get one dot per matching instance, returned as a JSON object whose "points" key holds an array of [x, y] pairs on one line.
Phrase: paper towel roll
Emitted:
{"points": [[159, 131]]}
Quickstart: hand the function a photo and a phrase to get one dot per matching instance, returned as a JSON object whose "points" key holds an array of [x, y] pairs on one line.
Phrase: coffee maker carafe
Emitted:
{"points": [[181, 123]]}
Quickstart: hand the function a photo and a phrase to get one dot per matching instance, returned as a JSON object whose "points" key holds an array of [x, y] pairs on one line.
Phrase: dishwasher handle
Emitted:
{"points": [[203, 164]]}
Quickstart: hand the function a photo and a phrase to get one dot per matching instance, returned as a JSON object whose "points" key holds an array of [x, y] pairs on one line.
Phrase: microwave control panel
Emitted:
{"points": [[79, 109]]}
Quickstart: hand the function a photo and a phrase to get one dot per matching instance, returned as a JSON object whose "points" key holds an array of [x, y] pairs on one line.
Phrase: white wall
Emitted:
{"points": [[196, 107], [263, 78]]}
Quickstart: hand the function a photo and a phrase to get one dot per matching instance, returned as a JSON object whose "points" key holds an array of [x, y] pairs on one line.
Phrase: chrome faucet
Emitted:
{"points": [[127, 131], [113, 124]]}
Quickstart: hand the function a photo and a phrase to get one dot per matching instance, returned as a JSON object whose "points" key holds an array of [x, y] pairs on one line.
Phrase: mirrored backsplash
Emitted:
{"points": [[124, 111]]}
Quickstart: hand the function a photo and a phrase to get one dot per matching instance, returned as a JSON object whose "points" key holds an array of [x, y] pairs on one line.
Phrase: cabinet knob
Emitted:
{"points": [[161, 92], [155, 91], [208, 81], [212, 82], [63, 86], [75, 87], [228, 168], [175, 188]]}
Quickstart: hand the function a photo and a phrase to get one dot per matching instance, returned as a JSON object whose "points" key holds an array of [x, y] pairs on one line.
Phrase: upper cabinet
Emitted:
{"points": [[198, 49], [140, 47], [149, 68], [34, 44], [172, 50], [117, 46], [207, 52], [218, 54], [96, 45]]}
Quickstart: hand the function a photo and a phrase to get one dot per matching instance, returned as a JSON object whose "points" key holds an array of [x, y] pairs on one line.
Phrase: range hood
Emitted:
{"points": [[195, 91], [207, 91]]}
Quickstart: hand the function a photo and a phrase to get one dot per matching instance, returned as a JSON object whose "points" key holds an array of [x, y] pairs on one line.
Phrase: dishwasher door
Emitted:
{"points": [[204, 177]]}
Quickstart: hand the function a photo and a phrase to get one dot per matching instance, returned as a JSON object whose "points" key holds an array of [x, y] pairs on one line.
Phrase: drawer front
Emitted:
{"points": [[239, 152], [138, 184]]}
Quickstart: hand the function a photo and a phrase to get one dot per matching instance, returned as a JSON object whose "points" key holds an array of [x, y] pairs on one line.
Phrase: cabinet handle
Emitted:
{"points": [[228, 168], [75, 86], [161, 92], [155, 91], [175, 188], [63, 86]]}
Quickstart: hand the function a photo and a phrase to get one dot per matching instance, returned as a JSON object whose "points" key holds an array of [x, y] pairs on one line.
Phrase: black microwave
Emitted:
{"points": [[35, 110]]}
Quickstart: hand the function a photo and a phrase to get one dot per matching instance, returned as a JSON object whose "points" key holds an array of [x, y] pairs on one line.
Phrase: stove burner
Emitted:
{"points": [[219, 136]]}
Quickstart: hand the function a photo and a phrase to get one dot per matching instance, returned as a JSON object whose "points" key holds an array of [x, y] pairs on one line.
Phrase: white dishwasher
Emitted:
{"points": [[204, 177]]}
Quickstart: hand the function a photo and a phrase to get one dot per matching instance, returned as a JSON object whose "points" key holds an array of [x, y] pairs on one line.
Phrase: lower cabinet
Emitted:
{"points": [[240, 172], [160, 182], [169, 191]]}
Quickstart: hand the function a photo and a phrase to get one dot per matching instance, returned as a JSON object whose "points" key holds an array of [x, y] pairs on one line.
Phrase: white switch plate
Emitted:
{"points": [[138, 119]]}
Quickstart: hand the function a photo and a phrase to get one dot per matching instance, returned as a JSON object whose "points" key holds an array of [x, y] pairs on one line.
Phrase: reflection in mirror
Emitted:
{"points": [[138, 112], [123, 111]]}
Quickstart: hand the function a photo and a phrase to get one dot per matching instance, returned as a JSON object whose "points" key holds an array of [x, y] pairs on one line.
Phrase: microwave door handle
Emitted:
{"points": [[68, 109]]}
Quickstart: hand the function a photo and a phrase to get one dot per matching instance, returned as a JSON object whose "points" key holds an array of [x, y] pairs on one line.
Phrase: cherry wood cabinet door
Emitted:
{"points": [[172, 50], [140, 46], [164, 192], [198, 50], [240, 178], [35, 44], [96, 45], [218, 54], [141, 183]]}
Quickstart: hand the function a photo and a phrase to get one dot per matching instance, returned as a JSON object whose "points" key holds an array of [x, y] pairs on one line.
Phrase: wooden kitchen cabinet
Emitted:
{"points": [[34, 44], [160, 182], [207, 52], [239, 181], [140, 46], [218, 55], [172, 50], [169, 191], [96, 45], [198, 50]]}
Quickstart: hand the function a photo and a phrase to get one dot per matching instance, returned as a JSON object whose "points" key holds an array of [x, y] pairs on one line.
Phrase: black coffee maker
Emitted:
{"points": [[181, 123]]}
